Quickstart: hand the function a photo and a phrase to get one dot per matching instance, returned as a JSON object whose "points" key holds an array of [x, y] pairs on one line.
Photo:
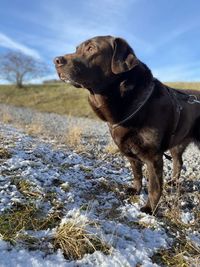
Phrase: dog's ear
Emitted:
{"points": [[123, 58]]}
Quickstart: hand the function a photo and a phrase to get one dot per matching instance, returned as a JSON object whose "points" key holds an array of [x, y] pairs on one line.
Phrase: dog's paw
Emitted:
{"points": [[131, 191]]}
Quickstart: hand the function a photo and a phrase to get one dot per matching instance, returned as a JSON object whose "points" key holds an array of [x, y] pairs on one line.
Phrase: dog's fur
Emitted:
{"points": [[119, 85]]}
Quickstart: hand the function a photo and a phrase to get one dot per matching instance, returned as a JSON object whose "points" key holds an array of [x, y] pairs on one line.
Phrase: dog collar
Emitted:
{"points": [[129, 117]]}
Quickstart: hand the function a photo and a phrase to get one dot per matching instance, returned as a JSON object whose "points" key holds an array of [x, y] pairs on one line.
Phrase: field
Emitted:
{"points": [[59, 98], [63, 200]]}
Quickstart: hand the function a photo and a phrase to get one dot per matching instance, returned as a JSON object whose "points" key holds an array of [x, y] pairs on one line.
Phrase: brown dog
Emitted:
{"points": [[144, 116]]}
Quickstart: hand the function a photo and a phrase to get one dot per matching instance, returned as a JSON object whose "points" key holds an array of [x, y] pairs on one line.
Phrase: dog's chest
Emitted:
{"points": [[97, 107], [131, 142]]}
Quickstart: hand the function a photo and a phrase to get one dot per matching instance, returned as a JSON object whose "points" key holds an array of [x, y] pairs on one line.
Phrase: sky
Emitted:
{"points": [[165, 34]]}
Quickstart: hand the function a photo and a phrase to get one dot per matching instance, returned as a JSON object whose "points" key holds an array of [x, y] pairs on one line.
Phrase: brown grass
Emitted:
{"points": [[182, 252], [35, 128], [6, 117], [74, 138], [75, 241], [184, 85], [111, 148], [24, 217], [59, 98], [4, 153]]}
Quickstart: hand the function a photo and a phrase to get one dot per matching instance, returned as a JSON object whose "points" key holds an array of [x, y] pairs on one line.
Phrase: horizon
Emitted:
{"points": [[163, 34]]}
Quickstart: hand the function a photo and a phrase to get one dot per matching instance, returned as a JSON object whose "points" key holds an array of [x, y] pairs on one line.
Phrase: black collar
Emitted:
{"points": [[132, 115]]}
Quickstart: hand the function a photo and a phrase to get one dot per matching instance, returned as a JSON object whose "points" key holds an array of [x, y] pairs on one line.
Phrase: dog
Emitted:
{"points": [[144, 116]]}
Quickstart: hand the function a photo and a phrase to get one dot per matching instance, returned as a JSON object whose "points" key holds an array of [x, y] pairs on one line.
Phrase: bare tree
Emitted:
{"points": [[18, 68]]}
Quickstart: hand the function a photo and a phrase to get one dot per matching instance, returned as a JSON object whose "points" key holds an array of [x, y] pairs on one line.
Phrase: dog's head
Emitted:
{"points": [[97, 62]]}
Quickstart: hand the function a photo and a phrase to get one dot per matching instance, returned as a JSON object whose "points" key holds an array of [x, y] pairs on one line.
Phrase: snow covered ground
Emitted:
{"points": [[89, 185]]}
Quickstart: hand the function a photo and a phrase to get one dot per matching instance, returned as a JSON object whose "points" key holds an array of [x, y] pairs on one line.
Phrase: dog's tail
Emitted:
{"points": [[196, 132]]}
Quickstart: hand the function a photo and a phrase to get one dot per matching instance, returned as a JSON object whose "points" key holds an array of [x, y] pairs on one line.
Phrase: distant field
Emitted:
{"points": [[59, 97], [185, 85]]}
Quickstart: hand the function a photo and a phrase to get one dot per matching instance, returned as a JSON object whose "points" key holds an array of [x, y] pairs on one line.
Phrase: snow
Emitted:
{"points": [[195, 238], [81, 180], [187, 217], [22, 257]]}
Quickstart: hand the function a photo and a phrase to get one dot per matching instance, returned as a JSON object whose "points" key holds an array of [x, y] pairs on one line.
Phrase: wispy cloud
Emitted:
{"points": [[58, 26], [7, 42], [67, 29]]}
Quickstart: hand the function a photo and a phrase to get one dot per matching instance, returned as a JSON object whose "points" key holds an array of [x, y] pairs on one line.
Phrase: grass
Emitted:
{"points": [[72, 237], [178, 255], [35, 128], [6, 117], [26, 188], [184, 85], [182, 252], [23, 218], [75, 240], [4, 153], [111, 148], [58, 98], [73, 137]]}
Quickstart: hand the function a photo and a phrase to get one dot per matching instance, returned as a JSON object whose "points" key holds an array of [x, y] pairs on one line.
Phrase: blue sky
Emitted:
{"points": [[165, 34]]}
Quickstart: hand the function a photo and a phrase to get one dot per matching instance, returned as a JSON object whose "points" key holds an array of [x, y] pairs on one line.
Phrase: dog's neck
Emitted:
{"points": [[122, 97]]}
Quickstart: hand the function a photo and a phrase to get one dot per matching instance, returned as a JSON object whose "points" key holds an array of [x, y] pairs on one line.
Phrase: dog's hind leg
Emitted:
{"points": [[136, 167], [177, 153], [196, 133]]}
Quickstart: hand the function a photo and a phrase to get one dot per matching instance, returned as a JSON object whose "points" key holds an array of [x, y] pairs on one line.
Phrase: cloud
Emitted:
{"points": [[67, 28], [7, 42], [63, 28], [58, 27]]}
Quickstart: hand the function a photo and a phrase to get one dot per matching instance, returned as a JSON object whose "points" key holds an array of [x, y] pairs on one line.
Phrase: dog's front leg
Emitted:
{"points": [[155, 183], [136, 167]]}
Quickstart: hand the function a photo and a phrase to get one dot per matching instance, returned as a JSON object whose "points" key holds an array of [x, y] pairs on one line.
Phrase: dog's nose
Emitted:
{"points": [[60, 61]]}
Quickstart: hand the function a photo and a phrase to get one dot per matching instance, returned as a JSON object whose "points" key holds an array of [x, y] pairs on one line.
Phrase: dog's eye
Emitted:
{"points": [[90, 48]]}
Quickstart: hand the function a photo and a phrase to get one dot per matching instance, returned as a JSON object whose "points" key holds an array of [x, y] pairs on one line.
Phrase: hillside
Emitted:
{"points": [[59, 98]]}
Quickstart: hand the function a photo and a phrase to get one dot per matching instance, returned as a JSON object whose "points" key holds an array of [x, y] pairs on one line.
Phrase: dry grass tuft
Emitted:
{"points": [[111, 148], [75, 241], [74, 136], [35, 128], [4, 153], [6, 117]]}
